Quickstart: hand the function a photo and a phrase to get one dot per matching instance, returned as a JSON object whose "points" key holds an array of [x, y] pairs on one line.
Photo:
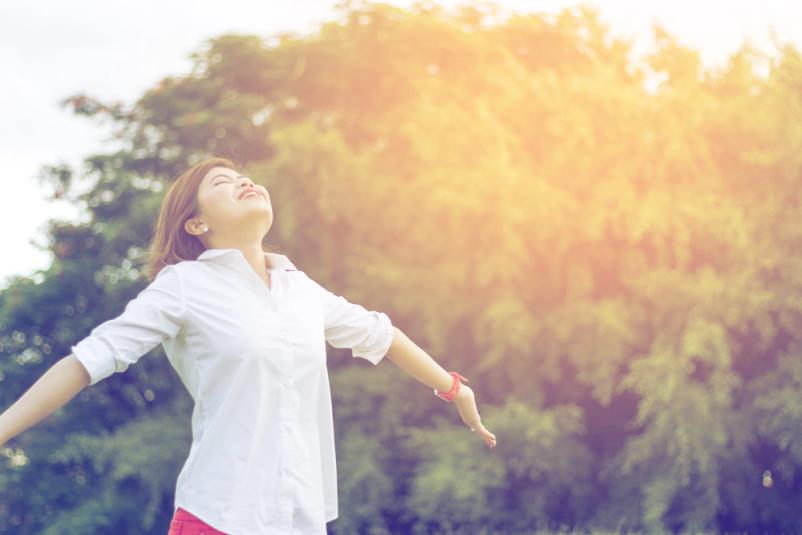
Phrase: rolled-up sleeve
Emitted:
{"points": [[154, 316], [368, 333]]}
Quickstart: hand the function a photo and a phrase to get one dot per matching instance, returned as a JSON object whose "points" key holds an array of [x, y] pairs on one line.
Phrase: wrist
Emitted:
{"points": [[455, 387], [465, 392]]}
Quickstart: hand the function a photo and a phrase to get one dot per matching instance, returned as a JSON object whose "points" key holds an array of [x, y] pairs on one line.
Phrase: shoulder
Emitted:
{"points": [[297, 275], [174, 275], [168, 274], [187, 268]]}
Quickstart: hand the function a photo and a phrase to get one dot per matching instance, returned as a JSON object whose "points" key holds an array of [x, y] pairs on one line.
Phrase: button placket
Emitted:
{"points": [[289, 405], [288, 415]]}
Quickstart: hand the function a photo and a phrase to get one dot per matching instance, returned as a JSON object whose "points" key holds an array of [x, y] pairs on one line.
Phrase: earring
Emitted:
{"points": [[205, 229]]}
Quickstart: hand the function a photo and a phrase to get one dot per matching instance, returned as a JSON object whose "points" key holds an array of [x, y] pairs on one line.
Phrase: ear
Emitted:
{"points": [[195, 227]]}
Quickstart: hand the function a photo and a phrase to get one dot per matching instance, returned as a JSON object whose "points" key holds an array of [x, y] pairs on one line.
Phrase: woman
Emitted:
{"points": [[245, 330]]}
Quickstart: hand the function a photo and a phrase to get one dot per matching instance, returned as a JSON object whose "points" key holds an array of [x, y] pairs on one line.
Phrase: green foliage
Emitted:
{"points": [[607, 249]]}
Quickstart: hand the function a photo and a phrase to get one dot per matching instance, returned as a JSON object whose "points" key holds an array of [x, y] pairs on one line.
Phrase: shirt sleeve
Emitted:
{"points": [[154, 316], [368, 333]]}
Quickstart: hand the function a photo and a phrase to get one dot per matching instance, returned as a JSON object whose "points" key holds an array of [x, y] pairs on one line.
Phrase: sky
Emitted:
{"points": [[115, 51]]}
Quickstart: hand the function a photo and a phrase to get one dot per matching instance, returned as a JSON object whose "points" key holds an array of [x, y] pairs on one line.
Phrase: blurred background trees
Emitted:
{"points": [[607, 248]]}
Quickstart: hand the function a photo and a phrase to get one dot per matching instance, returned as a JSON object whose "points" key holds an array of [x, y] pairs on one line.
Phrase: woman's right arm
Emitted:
{"points": [[155, 315], [58, 385]]}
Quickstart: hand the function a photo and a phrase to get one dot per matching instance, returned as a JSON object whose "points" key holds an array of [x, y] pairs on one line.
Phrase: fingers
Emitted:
{"points": [[466, 405], [487, 436]]}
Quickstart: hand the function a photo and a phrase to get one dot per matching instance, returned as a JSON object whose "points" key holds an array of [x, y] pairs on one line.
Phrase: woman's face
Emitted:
{"points": [[232, 215]]}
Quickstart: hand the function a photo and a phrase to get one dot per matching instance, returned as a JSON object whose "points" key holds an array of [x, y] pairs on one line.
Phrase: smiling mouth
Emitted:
{"points": [[250, 195]]}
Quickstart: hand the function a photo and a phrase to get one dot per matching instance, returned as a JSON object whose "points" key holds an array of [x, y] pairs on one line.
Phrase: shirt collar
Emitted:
{"points": [[278, 261]]}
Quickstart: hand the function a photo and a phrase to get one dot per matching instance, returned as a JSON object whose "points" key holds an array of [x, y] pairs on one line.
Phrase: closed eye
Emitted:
{"points": [[230, 180]]}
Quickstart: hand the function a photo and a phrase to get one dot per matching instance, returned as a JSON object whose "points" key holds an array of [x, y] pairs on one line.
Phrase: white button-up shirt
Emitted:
{"points": [[253, 358]]}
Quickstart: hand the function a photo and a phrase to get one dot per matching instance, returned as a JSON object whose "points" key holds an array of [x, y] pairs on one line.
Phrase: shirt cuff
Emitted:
{"points": [[94, 356], [377, 346]]}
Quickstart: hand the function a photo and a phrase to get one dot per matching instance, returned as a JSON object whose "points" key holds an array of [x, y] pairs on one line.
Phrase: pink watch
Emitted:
{"points": [[452, 393]]}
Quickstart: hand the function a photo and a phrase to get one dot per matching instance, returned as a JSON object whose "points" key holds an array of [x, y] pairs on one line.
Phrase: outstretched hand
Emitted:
{"points": [[466, 405]]}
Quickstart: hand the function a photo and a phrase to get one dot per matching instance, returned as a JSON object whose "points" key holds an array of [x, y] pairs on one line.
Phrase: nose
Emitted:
{"points": [[247, 182]]}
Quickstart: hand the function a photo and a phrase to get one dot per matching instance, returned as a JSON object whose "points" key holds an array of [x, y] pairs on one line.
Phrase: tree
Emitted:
{"points": [[605, 247]]}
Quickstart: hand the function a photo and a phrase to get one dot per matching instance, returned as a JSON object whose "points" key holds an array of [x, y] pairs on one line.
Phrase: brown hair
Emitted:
{"points": [[171, 243]]}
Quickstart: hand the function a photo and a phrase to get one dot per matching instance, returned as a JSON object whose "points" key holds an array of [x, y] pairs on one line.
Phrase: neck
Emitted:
{"points": [[259, 262]]}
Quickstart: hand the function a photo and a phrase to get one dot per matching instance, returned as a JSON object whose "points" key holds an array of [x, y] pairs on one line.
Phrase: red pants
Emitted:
{"points": [[185, 523]]}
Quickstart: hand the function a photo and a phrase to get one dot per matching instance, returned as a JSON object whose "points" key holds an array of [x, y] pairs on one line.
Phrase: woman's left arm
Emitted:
{"points": [[417, 363]]}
